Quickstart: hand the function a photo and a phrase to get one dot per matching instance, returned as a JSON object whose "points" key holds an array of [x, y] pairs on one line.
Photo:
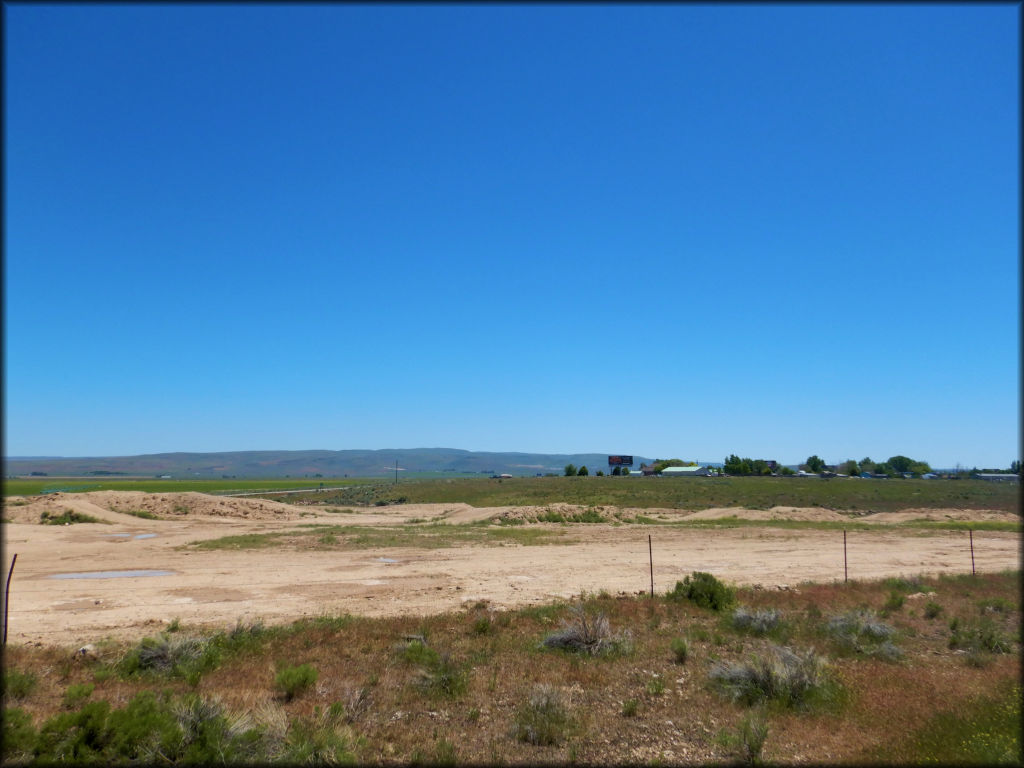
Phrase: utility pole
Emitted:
{"points": [[396, 471]]}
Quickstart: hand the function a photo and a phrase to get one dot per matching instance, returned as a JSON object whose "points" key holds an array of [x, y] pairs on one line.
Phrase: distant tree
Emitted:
{"points": [[849, 467], [583, 471], [616, 470], [867, 465], [599, 473], [815, 464], [570, 470], [660, 464], [900, 463], [1015, 467], [786, 471]]}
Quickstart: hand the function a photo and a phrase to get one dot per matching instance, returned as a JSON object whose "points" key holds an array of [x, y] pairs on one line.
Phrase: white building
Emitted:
{"points": [[686, 472]]}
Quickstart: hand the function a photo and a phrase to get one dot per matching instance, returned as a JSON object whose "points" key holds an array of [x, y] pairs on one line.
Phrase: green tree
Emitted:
{"points": [[849, 467], [1015, 467], [599, 473], [616, 470], [867, 465], [815, 464], [570, 470], [900, 463], [583, 471]]}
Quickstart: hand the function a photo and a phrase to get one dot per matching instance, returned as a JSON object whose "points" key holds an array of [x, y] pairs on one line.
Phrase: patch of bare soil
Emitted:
{"points": [[281, 581]]}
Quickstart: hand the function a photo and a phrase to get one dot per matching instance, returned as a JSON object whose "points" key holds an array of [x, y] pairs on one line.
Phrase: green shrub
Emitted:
{"points": [[18, 685], [542, 720], [704, 590], [19, 736], [482, 624], [893, 603], [76, 694], [656, 686], [630, 707], [680, 649], [291, 681], [67, 517], [932, 609]]}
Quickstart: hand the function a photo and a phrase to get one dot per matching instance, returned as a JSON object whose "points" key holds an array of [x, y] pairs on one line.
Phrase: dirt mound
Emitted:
{"points": [[943, 515], [114, 506], [815, 514]]}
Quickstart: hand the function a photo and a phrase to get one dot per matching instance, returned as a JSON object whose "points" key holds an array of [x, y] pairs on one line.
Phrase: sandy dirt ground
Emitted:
{"points": [[279, 584]]}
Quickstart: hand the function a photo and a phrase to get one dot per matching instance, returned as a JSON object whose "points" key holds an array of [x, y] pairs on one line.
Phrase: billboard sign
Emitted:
{"points": [[620, 461]]}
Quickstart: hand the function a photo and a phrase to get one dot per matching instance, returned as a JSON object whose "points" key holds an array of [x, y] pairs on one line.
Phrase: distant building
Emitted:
{"points": [[994, 477], [686, 472]]}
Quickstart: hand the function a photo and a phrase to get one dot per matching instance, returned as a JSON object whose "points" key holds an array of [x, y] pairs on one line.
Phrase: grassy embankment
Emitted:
{"points": [[33, 486], [896, 671]]}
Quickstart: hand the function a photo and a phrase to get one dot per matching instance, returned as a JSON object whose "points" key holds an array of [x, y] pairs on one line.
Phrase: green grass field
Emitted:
{"points": [[846, 494]]}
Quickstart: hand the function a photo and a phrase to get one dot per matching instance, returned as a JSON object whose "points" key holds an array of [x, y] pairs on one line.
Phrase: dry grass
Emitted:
{"points": [[384, 712]]}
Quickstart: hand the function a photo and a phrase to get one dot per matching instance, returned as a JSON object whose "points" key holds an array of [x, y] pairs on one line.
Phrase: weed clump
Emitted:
{"points": [[978, 636], [543, 719], [439, 673], [784, 675], [588, 633], [704, 590]]}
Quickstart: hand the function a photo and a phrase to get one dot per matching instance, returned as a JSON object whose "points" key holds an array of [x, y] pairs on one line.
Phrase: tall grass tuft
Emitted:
{"points": [[590, 633], [784, 675], [543, 719]]}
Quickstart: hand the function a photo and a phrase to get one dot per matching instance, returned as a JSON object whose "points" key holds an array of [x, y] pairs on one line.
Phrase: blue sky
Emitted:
{"points": [[660, 230]]}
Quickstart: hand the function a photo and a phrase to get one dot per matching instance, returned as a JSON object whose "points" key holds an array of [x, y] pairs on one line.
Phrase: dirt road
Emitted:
{"points": [[282, 583]]}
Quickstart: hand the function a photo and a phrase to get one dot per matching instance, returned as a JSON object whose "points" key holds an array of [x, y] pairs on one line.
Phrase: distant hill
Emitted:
{"points": [[354, 463]]}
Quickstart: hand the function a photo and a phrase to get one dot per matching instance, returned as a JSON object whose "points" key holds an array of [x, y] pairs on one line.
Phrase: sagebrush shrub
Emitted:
{"points": [[760, 621], [783, 675], [862, 632]]}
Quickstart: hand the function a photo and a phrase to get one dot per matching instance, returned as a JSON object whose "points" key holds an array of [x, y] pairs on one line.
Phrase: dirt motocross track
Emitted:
{"points": [[283, 582]]}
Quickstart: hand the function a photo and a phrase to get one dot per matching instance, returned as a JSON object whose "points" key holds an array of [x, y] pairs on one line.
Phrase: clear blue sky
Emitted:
{"points": [[661, 230]]}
